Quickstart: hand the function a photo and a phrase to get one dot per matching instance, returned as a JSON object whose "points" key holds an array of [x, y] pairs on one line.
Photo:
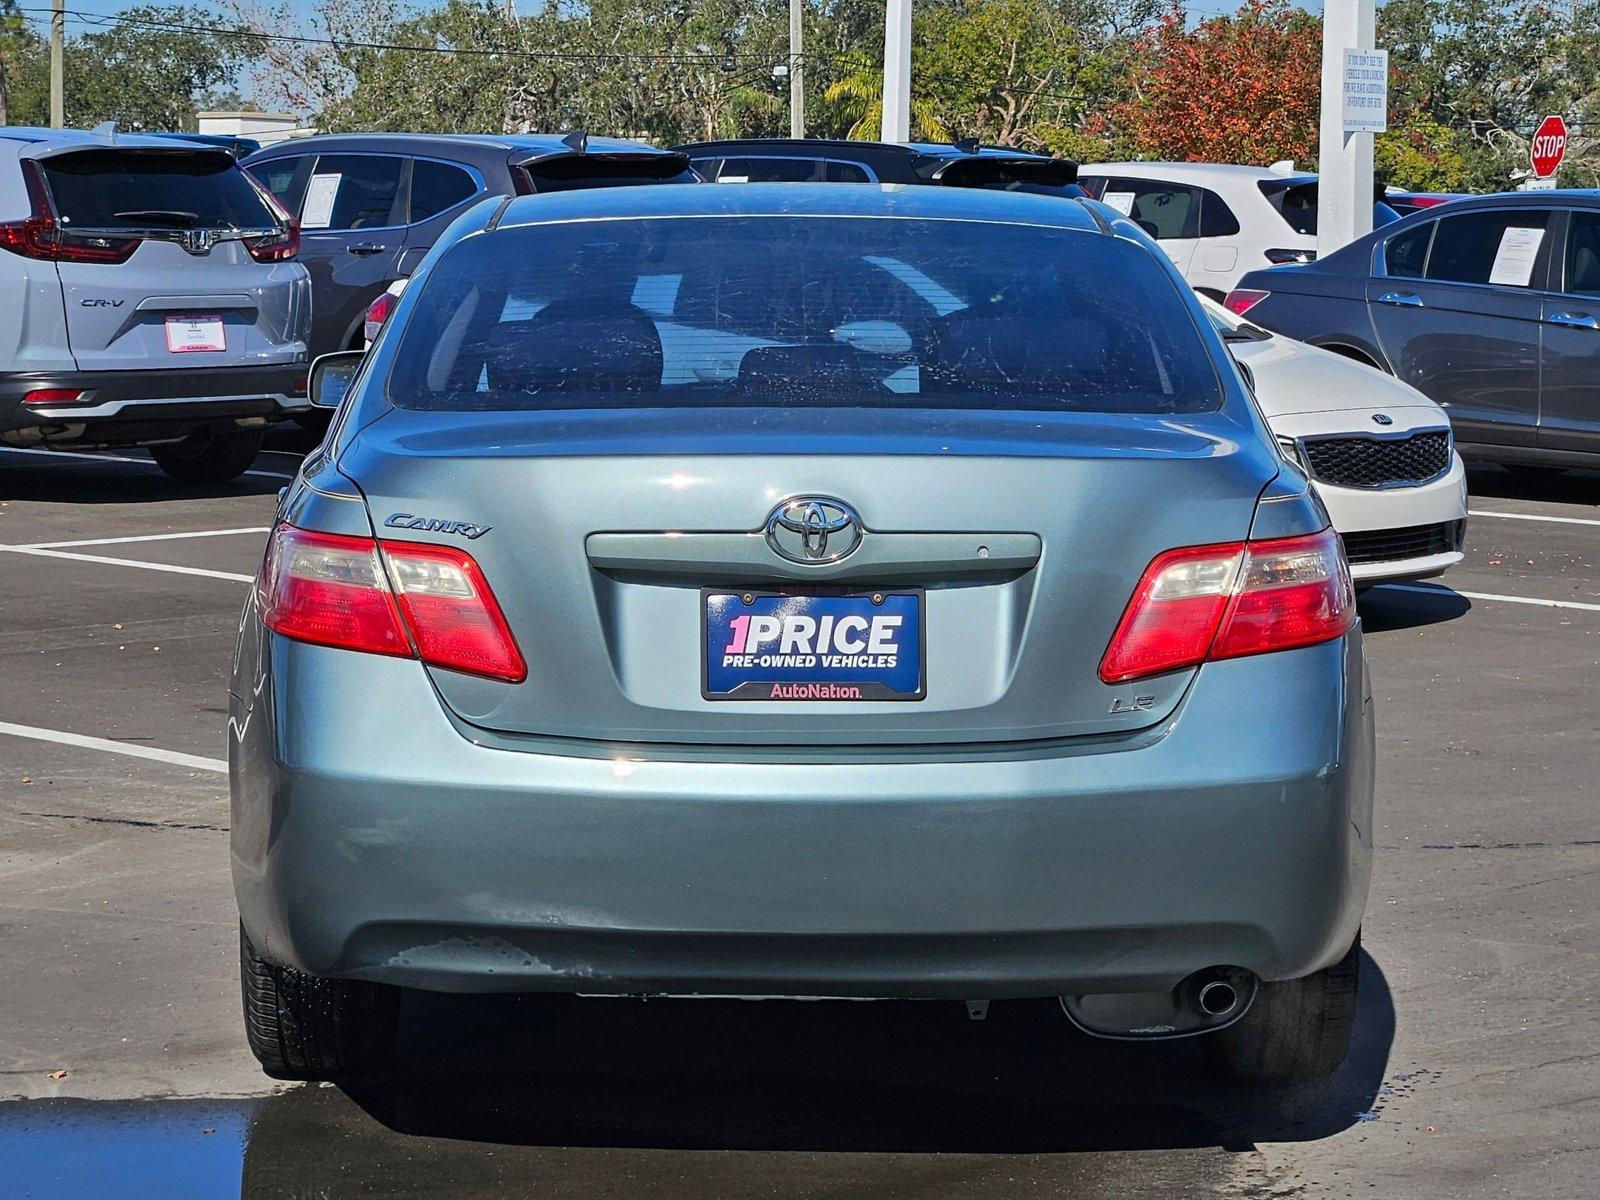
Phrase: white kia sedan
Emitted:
{"points": [[1380, 453]]}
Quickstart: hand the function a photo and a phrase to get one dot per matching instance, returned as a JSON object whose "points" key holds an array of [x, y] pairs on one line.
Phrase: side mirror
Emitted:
{"points": [[331, 377]]}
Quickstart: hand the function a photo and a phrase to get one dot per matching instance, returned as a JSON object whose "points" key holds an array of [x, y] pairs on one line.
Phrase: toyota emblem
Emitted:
{"points": [[815, 530]]}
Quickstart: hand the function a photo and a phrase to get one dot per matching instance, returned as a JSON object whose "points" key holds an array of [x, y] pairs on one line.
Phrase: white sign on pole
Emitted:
{"points": [[1365, 88], [1534, 183]]}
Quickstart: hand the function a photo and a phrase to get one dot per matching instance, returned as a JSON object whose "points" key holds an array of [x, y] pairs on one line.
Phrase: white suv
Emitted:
{"points": [[149, 295], [1217, 221]]}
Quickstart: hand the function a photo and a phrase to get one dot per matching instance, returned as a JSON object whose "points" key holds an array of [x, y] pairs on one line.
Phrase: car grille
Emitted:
{"points": [[1364, 462], [1414, 541]]}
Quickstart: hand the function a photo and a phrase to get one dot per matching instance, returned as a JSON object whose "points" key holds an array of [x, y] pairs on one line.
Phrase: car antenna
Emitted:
{"points": [[106, 129], [577, 141], [968, 145]]}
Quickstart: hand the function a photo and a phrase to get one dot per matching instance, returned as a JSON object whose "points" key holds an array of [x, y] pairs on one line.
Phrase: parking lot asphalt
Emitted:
{"points": [[123, 1069]]}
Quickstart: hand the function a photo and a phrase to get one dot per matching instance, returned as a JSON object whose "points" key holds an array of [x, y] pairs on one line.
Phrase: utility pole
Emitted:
{"points": [[797, 78], [1345, 181], [897, 71], [58, 97]]}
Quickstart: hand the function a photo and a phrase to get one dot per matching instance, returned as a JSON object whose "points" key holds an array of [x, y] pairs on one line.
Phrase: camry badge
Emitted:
{"points": [[815, 530], [1382, 419], [466, 529]]}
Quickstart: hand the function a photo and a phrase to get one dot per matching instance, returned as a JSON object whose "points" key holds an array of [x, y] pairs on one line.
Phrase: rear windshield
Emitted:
{"points": [[783, 311], [1043, 177], [140, 189], [574, 172], [1295, 200]]}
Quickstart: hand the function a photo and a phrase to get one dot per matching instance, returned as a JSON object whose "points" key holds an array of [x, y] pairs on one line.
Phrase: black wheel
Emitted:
{"points": [[210, 456], [1297, 1031], [303, 1027]]}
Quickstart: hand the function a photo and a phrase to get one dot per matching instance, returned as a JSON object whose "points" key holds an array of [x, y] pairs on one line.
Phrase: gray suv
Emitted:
{"points": [[148, 296], [372, 204]]}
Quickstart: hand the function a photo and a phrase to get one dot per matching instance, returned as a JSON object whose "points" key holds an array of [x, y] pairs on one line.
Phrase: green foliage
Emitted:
{"points": [[148, 77], [1086, 79]]}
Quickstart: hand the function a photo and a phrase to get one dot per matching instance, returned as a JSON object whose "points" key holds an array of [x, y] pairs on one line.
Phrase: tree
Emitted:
{"points": [[23, 81], [1242, 88], [152, 69], [1486, 71]]}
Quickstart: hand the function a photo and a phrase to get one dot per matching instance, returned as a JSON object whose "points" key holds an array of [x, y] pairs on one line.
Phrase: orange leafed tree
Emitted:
{"points": [[1242, 88]]}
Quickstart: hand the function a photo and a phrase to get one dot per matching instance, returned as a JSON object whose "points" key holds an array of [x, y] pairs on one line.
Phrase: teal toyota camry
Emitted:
{"points": [[802, 591]]}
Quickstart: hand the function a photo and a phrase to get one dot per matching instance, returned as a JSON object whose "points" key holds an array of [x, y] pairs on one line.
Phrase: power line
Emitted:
{"points": [[707, 57]]}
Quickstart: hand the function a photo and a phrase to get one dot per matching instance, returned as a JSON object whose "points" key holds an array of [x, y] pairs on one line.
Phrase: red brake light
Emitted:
{"points": [[278, 249], [1204, 603], [378, 313], [49, 397], [335, 590], [40, 235], [1242, 300]]}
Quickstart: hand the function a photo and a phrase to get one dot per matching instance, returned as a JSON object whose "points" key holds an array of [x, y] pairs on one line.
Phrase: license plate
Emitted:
{"points": [[187, 335], [812, 646]]}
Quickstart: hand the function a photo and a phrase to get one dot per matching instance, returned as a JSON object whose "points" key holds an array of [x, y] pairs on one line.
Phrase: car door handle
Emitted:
{"points": [[366, 248], [1402, 299], [1573, 320]]}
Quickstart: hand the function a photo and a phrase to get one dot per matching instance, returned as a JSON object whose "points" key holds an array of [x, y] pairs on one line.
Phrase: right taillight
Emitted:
{"points": [[1203, 603], [335, 590], [1242, 300], [273, 249], [40, 235]]}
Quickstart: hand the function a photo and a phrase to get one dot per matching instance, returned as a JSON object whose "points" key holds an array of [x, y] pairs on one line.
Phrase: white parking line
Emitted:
{"points": [[144, 537], [61, 738], [143, 462], [173, 568], [1505, 516], [1423, 590]]}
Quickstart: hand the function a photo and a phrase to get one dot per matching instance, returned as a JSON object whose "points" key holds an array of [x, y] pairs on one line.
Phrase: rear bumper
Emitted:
{"points": [[374, 841], [151, 402]]}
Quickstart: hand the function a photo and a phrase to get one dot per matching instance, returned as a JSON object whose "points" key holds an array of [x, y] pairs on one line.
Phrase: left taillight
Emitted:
{"points": [[405, 599], [1203, 603], [273, 249], [40, 235], [378, 315]]}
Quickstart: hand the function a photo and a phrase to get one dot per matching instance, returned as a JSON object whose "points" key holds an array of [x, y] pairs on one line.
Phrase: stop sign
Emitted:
{"points": [[1549, 146]]}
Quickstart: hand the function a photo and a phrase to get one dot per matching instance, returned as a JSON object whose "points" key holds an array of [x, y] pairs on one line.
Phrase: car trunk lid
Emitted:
{"points": [[159, 269], [1024, 534]]}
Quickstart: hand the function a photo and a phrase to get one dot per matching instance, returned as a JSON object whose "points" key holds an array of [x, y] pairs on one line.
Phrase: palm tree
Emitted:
{"points": [[859, 96]]}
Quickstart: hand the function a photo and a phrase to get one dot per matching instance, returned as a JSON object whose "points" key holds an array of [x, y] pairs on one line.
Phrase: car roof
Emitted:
{"points": [[1543, 198], [530, 144], [850, 147], [904, 201], [1233, 172], [40, 138]]}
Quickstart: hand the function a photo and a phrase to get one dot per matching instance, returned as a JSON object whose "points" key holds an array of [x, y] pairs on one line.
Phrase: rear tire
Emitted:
{"points": [[213, 455], [1296, 1031], [302, 1027]]}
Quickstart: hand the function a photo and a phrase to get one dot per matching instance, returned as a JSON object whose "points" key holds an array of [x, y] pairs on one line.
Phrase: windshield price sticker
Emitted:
{"points": [[321, 192], [1513, 262]]}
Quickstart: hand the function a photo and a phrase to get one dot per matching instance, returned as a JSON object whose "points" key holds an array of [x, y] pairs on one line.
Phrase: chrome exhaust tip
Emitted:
{"points": [[1218, 998]]}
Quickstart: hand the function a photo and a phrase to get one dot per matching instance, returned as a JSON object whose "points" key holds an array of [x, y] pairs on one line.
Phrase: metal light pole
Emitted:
{"points": [[58, 98], [897, 71], [797, 79], [1344, 189]]}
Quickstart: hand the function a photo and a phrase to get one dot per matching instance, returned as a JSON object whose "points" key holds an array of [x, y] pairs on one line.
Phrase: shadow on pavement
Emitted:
{"points": [[1562, 487], [1384, 608], [879, 1078]]}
